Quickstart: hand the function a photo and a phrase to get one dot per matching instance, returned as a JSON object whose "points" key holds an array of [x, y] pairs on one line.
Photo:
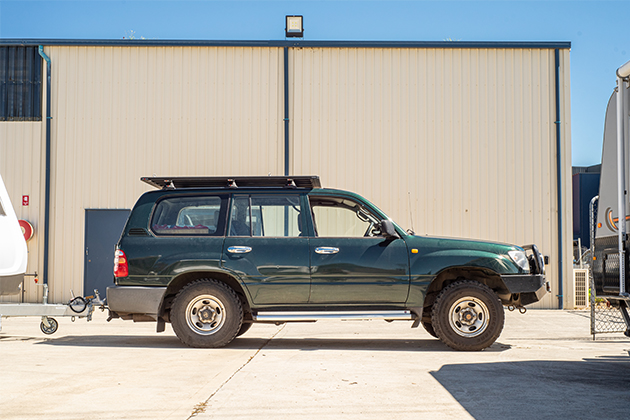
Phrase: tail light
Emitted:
{"points": [[121, 267]]}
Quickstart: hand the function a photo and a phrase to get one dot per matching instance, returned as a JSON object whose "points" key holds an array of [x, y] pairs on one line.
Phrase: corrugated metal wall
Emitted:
{"points": [[21, 160], [123, 113], [461, 140]]}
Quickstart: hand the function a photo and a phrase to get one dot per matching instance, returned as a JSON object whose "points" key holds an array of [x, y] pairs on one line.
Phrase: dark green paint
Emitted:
{"points": [[365, 270], [275, 271], [286, 272]]}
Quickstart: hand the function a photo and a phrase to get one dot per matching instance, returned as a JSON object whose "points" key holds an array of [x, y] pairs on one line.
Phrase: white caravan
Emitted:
{"points": [[13, 251], [13, 260]]}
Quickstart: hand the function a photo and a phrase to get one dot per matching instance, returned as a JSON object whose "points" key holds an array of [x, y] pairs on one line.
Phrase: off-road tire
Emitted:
{"points": [[429, 328], [206, 313], [244, 328], [467, 315]]}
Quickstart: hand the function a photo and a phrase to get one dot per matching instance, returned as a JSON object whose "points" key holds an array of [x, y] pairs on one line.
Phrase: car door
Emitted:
{"points": [[351, 263], [265, 247]]}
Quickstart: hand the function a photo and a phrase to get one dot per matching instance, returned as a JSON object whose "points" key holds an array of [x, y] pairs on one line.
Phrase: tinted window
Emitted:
{"points": [[240, 217], [201, 215], [260, 215]]}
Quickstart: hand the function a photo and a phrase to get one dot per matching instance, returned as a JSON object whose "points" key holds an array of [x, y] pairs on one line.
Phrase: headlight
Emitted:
{"points": [[520, 259]]}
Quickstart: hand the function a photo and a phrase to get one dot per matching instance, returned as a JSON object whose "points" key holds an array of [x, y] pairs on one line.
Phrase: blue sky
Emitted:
{"points": [[594, 28]]}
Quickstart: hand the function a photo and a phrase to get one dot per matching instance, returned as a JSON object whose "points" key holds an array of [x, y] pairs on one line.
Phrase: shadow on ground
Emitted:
{"points": [[541, 389], [303, 344]]}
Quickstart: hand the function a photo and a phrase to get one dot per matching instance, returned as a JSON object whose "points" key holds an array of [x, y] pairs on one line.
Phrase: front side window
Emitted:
{"points": [[200, 215], [342, 218], [266, 215]]}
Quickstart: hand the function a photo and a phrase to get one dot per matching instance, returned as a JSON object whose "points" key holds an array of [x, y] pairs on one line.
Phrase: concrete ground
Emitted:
{"points": [[545, 365]]}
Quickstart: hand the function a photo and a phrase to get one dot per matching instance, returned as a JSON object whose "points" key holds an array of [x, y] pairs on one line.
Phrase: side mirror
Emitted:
{"points": [[388, 230]]}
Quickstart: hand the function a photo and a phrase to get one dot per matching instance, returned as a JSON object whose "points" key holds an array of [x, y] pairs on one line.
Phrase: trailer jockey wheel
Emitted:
{"points": [[51, 327]]}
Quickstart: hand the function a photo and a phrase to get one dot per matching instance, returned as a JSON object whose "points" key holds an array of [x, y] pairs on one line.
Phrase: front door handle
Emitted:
{"points": [[239, 249], [326, 250]]}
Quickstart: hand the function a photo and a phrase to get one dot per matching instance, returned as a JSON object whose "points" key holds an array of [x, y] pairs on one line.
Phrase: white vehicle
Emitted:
{"points": [[13, 251], [13, 261], [611, 263]]}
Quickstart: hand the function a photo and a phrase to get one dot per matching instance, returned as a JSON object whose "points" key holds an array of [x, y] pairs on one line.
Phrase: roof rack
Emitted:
{"points": [[307, 182]]}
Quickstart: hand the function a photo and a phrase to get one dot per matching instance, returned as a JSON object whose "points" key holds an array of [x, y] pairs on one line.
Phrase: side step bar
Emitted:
{"points": [[308, 316]]}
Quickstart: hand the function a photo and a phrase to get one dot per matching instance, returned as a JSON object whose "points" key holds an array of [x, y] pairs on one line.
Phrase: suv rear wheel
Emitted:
{"points": [[206, 313], [467, 315]]}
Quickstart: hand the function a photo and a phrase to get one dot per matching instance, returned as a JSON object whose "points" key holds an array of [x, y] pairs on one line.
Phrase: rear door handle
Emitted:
{"points": [[326, 250], [239, 249]]}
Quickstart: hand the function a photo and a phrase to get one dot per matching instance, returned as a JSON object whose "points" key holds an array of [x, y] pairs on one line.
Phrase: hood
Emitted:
{"points": [[436, 253]]}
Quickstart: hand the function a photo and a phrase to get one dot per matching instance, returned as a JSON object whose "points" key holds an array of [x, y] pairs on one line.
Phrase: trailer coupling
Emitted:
{"points": [[78, 307]]}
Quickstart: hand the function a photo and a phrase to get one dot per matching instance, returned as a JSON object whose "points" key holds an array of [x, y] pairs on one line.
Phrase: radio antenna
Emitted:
{"points": [[410, 213]]}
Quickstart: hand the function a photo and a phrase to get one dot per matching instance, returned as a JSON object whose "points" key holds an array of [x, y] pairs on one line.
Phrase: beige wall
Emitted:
{"points": [[123, 113], [462, 140], [465, 138], [21, 157]]}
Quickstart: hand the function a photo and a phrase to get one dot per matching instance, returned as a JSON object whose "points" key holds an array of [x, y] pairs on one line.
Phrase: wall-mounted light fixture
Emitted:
{"points": [[294, 27]]}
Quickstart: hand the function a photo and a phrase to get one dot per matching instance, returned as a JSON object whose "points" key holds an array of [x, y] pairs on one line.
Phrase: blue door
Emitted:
{"points": [[102, 231]]}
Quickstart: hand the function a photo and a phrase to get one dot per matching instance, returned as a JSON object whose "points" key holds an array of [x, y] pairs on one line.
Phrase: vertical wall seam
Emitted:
{"points": [[286, 111]]}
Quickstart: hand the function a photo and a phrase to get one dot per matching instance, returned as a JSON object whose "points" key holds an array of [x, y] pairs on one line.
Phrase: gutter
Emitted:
{"points": [[47, 187], [559, 185], [287, 43]]}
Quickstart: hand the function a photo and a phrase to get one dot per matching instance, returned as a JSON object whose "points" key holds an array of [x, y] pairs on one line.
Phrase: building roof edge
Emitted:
{"points": [[287, 43]]}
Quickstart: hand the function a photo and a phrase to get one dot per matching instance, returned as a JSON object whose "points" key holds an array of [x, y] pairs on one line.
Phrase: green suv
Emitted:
{"points": [[213, 255]]}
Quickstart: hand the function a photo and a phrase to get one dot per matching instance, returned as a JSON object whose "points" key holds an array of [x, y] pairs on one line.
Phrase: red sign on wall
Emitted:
{"points": [[25, 200]]}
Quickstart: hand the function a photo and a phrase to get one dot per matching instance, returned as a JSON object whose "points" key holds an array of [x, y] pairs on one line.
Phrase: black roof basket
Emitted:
{"points": [[307, 182]]}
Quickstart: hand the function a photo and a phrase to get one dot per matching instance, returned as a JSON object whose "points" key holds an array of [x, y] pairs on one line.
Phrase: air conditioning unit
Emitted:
{"points": [[581, 284]]}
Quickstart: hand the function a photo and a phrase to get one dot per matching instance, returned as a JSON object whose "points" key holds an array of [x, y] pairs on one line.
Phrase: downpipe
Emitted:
{"points": [[558, 123], [47, 185]]}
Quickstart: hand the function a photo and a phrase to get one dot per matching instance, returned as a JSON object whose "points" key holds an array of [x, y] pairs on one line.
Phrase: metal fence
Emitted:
{"points": [[604, 317]]}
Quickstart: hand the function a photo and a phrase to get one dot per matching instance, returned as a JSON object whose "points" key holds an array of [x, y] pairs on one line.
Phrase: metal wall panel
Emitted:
{"points": [[21, 157], [122, 113], [462, 141]]}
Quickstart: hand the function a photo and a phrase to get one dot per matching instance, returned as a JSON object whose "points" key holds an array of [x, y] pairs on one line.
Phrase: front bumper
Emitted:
{"points": [[528, 288], [524, 283]]}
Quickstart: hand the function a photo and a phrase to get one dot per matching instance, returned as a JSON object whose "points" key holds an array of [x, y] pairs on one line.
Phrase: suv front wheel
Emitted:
{"points": [[206, 313], [467, 315]]}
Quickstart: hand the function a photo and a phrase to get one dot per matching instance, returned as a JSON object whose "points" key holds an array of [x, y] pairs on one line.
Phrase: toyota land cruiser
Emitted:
{"points": [[213, 255]]}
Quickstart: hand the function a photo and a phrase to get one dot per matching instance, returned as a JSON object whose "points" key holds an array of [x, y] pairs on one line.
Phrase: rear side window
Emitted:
{"points": [[195, 215], [266, 215]]}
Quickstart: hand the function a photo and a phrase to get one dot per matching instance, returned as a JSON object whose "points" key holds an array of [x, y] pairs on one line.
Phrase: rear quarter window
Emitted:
{"points": [[190, 215]]}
